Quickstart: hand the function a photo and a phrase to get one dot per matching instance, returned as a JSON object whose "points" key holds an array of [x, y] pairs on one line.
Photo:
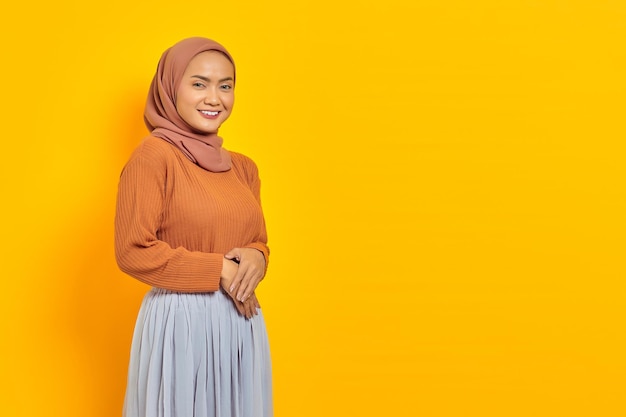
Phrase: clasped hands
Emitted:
{"points": [[242, 270]]}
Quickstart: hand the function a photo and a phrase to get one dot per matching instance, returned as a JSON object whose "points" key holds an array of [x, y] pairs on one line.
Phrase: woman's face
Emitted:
{"points": [[206, 94]]}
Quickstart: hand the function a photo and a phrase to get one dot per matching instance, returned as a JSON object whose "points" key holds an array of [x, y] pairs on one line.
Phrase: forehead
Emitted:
{"points": [[210, 62]]}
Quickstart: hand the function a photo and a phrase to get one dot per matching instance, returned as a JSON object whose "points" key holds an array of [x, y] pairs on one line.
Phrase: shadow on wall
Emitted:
{"points": [[104, 301]]}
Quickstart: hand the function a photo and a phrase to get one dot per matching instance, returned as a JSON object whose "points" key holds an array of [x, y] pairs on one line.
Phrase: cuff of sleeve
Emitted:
{"points": [[199, 272]]}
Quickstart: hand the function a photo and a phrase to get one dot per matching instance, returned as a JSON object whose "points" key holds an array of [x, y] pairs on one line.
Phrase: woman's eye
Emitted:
{"points": [[226, 87], [198, 84]]}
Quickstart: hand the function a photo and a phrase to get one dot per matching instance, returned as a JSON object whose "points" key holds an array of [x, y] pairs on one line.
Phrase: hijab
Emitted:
{"points": [[162, 118]]}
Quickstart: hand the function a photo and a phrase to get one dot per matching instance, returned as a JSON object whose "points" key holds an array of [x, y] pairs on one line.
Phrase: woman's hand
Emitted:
{"points": [[247, 308], [250, 272], [250, 306]]}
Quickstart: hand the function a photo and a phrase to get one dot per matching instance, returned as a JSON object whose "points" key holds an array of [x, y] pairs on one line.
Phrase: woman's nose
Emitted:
{"points": [[211, 98]]}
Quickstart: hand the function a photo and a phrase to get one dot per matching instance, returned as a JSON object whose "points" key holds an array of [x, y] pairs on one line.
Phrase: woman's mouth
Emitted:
{"points": [[207, 114]]}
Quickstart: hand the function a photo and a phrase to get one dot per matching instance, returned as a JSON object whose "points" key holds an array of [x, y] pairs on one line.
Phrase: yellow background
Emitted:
{"points": [[443, 183]]}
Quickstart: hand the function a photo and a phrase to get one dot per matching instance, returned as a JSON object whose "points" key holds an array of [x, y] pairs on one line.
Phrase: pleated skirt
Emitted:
{"points": [[194, 355]]}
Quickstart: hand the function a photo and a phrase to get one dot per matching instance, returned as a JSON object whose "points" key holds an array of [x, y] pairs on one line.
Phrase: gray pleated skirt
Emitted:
{"points": [[193, 355]]}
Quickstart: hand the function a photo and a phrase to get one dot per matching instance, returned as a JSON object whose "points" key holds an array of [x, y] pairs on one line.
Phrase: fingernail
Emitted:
{"points": [[232, 287]]}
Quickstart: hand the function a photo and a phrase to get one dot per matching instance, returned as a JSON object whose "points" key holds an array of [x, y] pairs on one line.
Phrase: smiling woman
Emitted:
{"points": [[189, 223], [206, 93]]}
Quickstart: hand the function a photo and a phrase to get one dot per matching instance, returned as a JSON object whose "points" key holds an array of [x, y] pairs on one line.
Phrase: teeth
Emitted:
{"points": [[209, 113]]}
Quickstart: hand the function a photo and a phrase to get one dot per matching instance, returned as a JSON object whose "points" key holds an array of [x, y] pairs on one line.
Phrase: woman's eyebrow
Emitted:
{"points": [[203, 78]]}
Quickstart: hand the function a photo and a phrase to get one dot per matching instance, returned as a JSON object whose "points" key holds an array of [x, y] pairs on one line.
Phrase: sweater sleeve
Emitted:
{"points": [[252, 177], [138, 251]]}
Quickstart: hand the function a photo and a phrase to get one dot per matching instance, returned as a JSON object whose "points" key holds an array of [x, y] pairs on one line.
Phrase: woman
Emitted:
{"points": [[189, 223]]}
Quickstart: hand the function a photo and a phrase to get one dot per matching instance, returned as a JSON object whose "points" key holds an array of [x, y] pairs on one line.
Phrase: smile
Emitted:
{"points": [[210, 115]]}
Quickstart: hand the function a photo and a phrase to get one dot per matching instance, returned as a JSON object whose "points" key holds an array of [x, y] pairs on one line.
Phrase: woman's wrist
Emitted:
{"points": [[229, 269]]}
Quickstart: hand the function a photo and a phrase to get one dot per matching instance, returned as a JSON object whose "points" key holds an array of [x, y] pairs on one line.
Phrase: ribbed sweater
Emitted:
{"points": [[175, 221]]}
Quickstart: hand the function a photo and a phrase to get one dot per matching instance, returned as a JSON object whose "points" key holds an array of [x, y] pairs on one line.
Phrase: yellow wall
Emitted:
{"points": [[443, 183]]}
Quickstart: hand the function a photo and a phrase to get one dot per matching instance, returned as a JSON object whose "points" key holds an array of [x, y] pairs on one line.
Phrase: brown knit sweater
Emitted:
{"points": [[175, 220]]}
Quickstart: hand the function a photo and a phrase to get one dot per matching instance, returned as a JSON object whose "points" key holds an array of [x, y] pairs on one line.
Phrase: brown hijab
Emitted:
{"points": [[161, 116]]}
